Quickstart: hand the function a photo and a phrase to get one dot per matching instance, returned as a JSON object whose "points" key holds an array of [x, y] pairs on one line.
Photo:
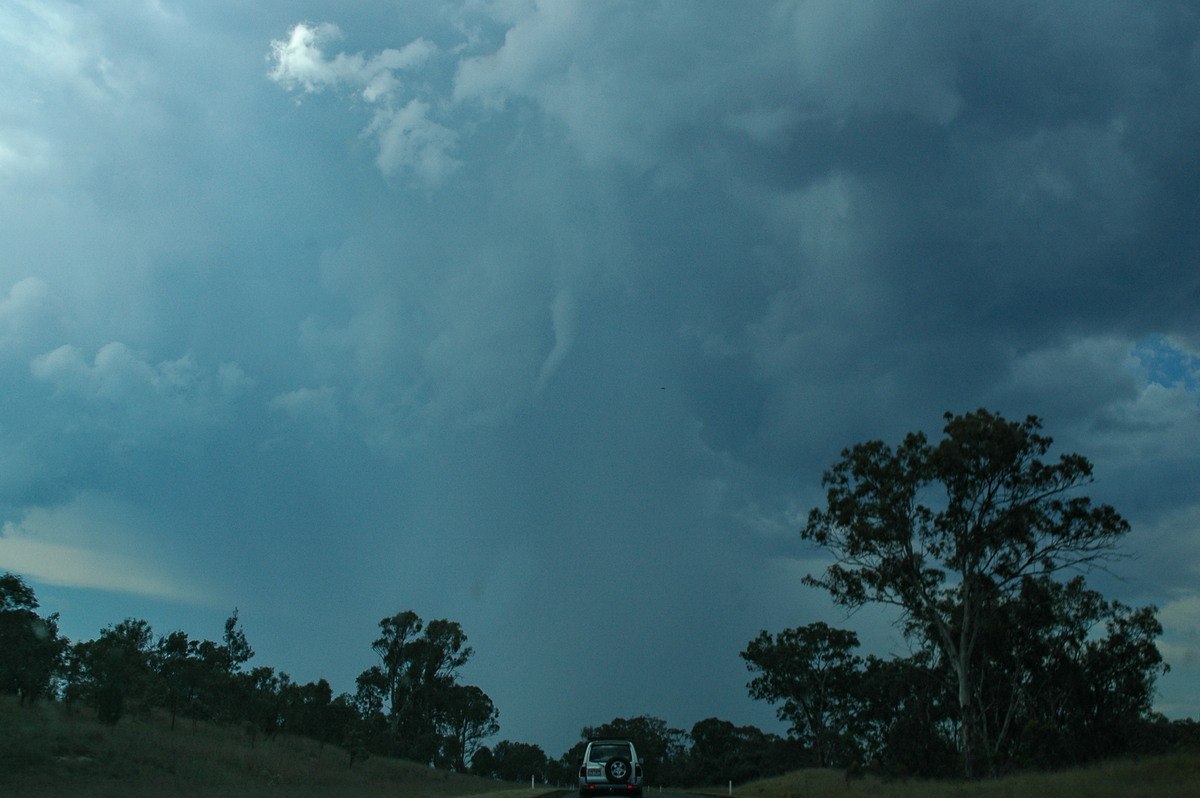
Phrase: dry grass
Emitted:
{"points": [[1172, 776], [45, 752]]}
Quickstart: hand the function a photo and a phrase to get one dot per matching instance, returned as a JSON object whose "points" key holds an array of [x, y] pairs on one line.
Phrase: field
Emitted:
{"points": [[47, 753], [1174, 776]]}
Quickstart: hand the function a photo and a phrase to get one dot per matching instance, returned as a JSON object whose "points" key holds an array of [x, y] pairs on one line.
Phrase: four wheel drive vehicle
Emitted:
{"points": [[610, 766]]}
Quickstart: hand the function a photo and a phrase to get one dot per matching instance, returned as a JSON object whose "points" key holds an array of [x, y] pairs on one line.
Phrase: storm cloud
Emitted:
{"points": [[546, 317]]}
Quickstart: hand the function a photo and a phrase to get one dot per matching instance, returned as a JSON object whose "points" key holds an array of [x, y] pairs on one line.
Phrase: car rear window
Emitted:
{"points": [[603, 753]]}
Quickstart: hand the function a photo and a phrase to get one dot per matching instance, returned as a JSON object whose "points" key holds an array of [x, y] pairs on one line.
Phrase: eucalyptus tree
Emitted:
{"points": [[414, 683], [115, 669], [812, 673], [465, 719], [511, 761], [947, 533], [31, 650]]}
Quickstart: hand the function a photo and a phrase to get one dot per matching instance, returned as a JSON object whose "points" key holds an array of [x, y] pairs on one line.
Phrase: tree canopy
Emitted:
{"points": [[808, 671], [412, 702], [31, 650], [952, 533]]}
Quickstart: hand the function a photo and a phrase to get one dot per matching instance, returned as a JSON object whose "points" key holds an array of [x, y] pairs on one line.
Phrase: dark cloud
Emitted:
{"points": [[501, 311]]}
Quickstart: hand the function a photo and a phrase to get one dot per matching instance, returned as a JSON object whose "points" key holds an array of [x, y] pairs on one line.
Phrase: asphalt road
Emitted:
{"points": [[650, 792]]}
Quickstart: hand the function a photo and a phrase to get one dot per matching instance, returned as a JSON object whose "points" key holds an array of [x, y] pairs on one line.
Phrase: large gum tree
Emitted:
{"points": [[946, 533]]}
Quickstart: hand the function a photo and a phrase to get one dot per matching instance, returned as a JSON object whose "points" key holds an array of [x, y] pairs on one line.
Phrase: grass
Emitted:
{"points": [[46, 752], [1169, 776]]}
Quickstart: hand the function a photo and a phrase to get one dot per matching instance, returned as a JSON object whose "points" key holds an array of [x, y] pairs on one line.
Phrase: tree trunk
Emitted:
{"points": [[966, 732]]}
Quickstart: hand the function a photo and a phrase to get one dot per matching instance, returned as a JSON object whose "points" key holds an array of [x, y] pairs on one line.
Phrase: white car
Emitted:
{"points": [[610, 766]]}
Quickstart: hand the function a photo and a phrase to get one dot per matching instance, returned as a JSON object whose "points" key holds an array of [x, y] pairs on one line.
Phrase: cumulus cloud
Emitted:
{"points": [[407, 137], [173, 396], [300, 62]]}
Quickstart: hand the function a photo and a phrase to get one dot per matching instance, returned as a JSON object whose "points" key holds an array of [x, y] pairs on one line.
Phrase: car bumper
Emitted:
{"points": [[608, 788]]}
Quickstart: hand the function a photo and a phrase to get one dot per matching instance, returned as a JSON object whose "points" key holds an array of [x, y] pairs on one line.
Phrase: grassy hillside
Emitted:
{"points": [[1174, 776], [45, 752]]}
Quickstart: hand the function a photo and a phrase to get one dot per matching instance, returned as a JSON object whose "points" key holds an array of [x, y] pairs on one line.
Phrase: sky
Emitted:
{"points": [[547, 317]]}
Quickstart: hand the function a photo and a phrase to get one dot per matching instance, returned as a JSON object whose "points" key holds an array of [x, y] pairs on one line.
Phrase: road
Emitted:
{"points": [[650, 792]]}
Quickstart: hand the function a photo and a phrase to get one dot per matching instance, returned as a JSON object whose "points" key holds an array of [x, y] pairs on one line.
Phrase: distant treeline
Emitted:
{"points": [[410, 705], [893, 715]]}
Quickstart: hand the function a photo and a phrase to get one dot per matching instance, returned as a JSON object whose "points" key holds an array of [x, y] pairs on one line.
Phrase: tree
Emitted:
{"points": [[391, 683], [660, 748], [811, 672], [236, 650], [466, 718], [946, 533], [1063, 692], [413, 684], [260, 700], [310, 709], [510, 761], [721, 751], [115, 668], [31, 651], [905, 717], [177, 662], [203, 679]]}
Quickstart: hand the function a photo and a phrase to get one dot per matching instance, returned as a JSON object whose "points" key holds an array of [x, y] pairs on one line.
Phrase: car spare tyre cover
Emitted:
{"points": [[618, 770]]}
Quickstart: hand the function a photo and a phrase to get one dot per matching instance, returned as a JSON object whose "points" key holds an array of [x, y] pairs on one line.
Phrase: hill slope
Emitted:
{"points": [[1169, 776], [45, 751]]}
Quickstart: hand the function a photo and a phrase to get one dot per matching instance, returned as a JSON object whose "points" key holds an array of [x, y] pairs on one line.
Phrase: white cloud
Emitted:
{"points": [[141, 399], [317, 406], [1180, 649], [539, 45], [300, 62], [59, 44], [1181, 632], [409, 139], [58, 64], [1101, 365], [95, 541], [1104, 383], [617, 80], [28, 313], [23, 152]]}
